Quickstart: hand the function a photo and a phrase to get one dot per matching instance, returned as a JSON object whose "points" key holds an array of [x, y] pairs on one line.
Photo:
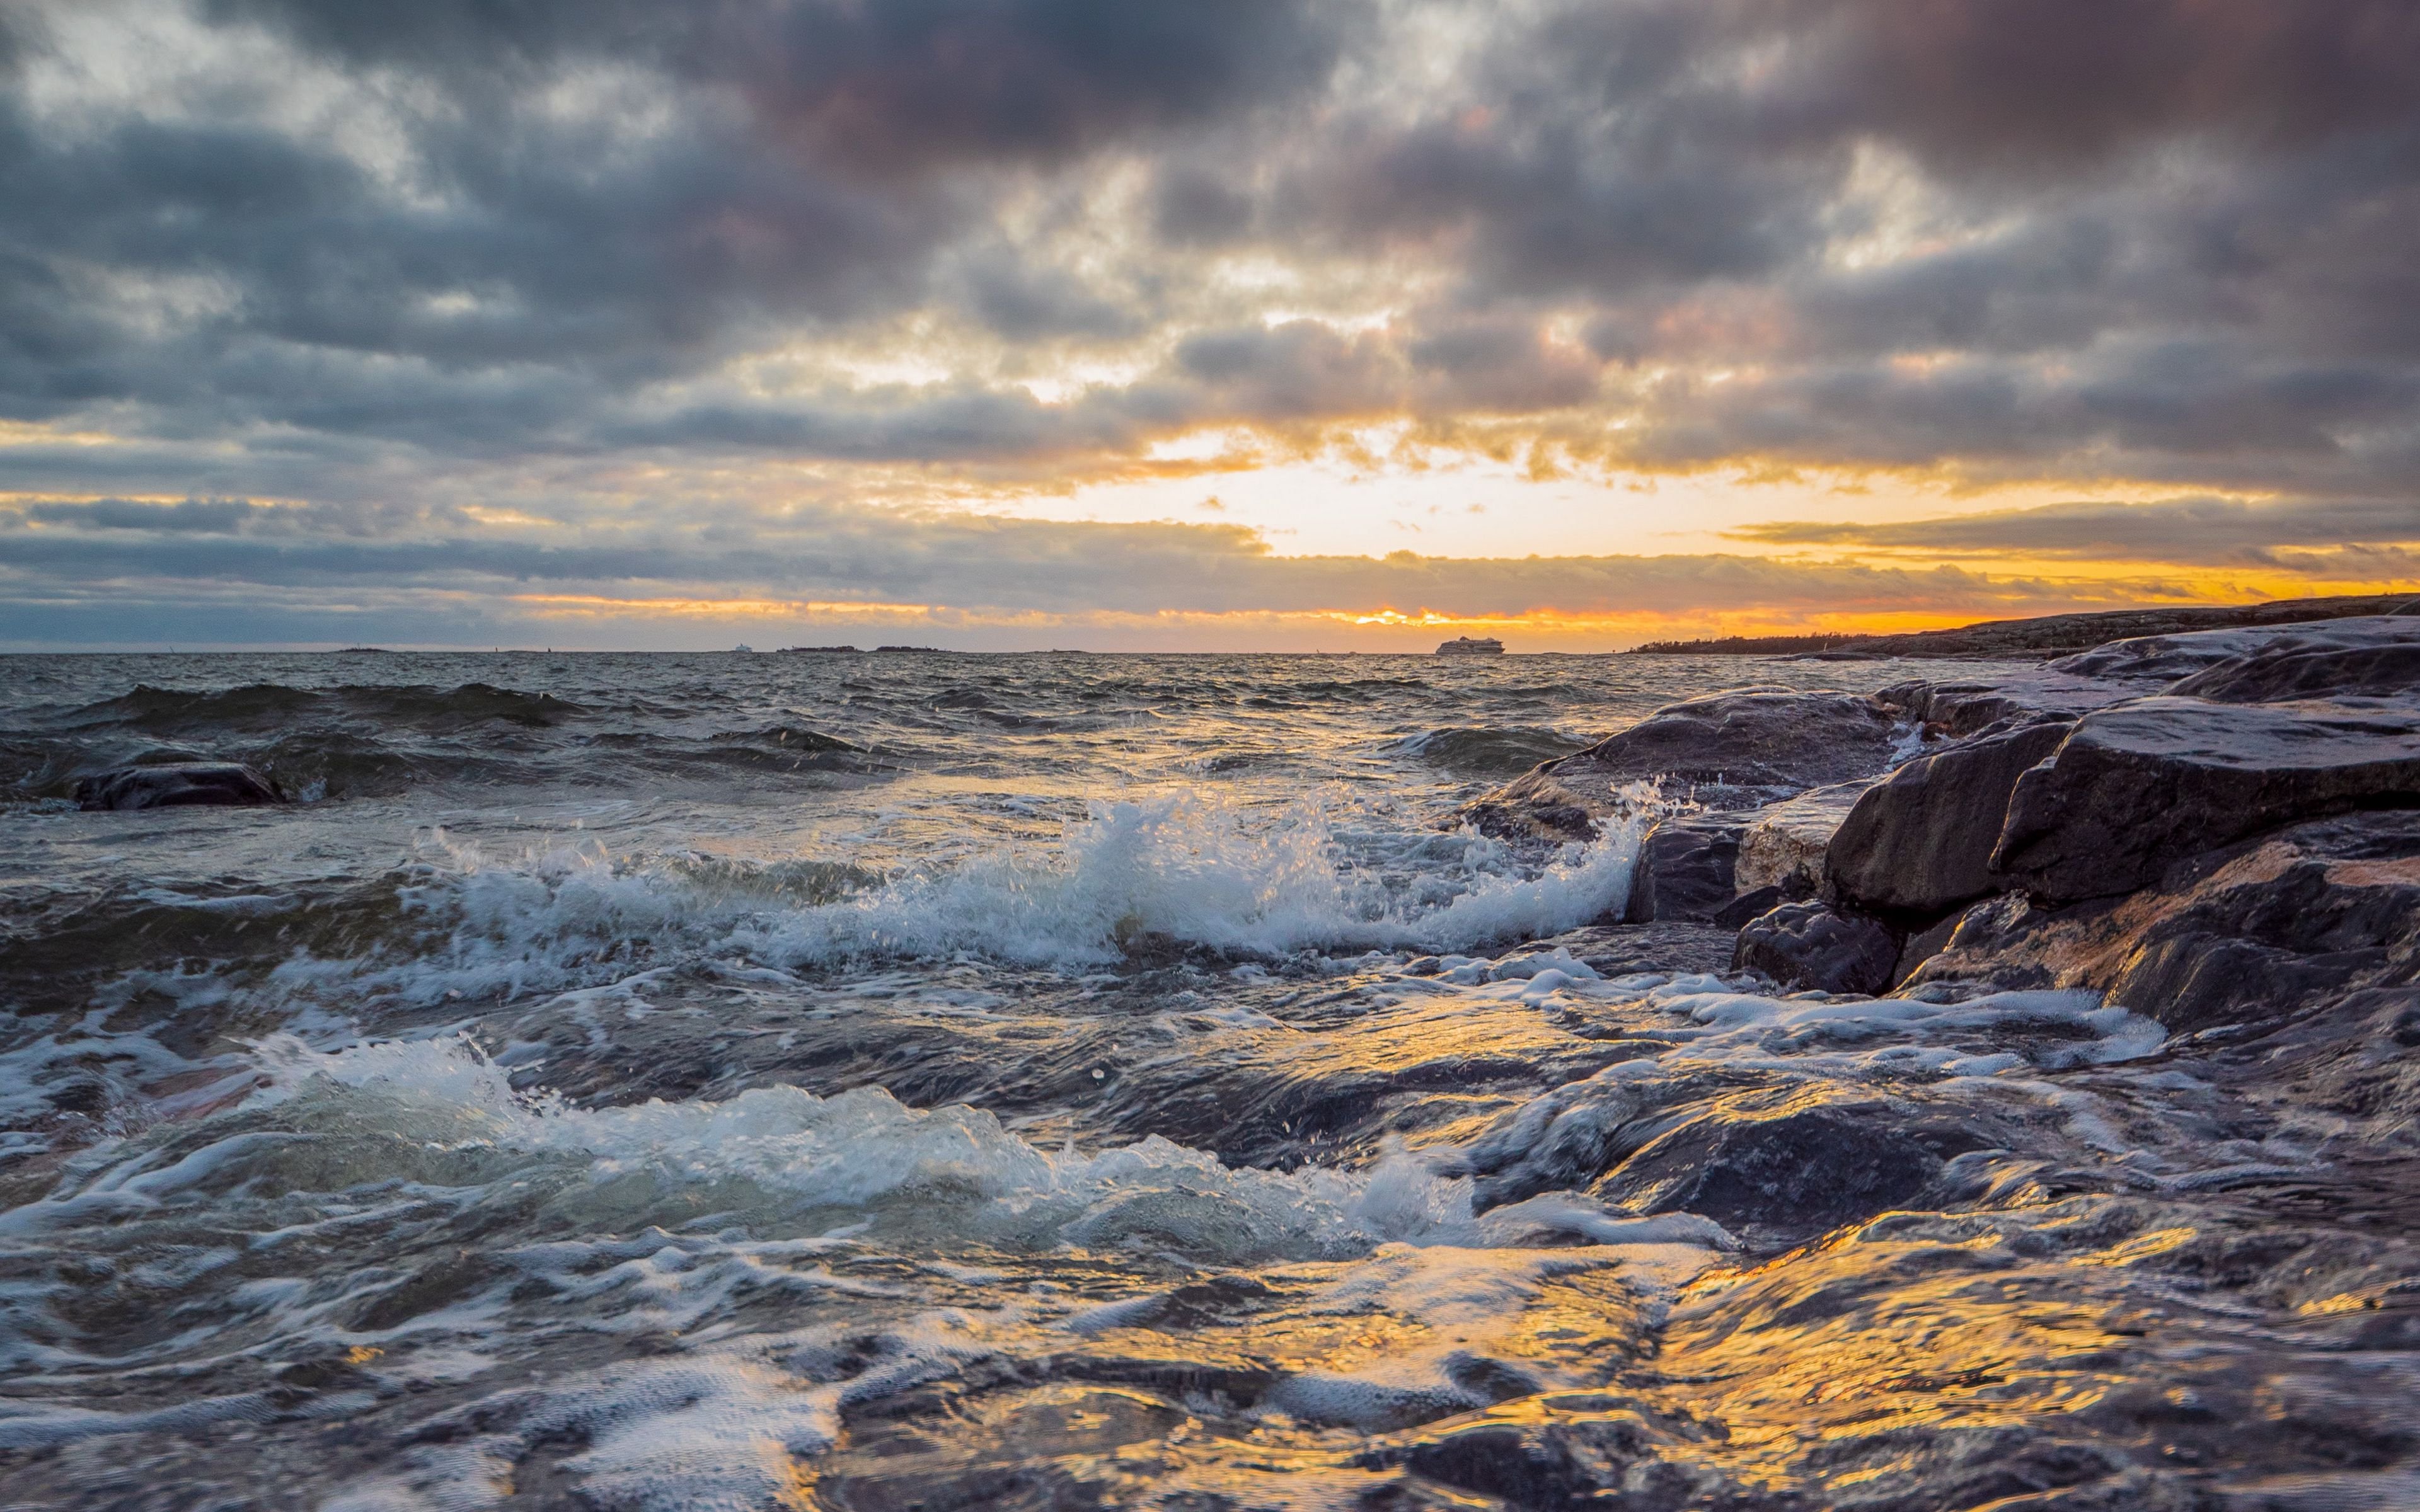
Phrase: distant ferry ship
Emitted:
{"points": [[1466, 646]]}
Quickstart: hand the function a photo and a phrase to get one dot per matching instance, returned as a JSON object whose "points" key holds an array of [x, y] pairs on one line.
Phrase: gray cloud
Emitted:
{"points": [[216, 515], [909, 83], [2215, 532], [2050, 83]]}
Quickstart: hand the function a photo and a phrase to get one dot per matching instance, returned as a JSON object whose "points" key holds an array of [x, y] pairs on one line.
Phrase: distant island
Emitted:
{"points": [[2051, 635], [1747, 645], [1466, 646], [819, 651]]}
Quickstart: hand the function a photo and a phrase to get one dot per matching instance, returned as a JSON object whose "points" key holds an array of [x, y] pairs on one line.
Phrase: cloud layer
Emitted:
{"points": [[696, 298]]}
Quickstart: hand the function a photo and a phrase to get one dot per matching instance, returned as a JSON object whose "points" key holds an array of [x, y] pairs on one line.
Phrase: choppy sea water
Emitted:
{"points": [[1065, 1081]]}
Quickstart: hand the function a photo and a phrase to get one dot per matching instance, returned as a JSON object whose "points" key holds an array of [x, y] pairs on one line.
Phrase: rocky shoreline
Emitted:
{"points": [[2208, 827], [2047, 635]]}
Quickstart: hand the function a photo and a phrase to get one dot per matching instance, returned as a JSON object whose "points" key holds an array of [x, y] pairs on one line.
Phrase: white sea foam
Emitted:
{"points": [[2039, 1030], [1209, 872], [955, 1171], [1185, 865]]}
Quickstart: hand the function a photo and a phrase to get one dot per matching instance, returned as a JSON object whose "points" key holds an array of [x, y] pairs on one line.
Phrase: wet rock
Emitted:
{"points": [[1677, 946], [2165, 658], [1922, 946], [2026, 695], [2373, 658], [2276, 925], [1784, 844], [2140, 786], [1535, 806], [1812, 946], [1786, 1162], [1687, 869], [1751, 904], [1734, 750], [1611, 1455], [1919, 842], [178, 785]]}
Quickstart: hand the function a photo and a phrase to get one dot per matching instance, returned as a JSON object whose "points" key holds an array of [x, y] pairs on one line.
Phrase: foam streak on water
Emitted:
{"points": [[1031, 1082]]}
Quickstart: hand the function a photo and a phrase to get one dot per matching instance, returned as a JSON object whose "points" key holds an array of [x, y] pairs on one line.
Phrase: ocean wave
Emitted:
{"points": [[1186, 867], [272, 706], [1486, 751]]}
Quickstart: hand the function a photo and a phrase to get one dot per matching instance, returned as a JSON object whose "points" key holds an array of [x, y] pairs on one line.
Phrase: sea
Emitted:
{"points": [[922, 1080]]}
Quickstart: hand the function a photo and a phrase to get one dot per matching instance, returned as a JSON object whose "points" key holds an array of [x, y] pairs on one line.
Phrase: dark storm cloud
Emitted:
{"points": [[2048, 85], [206, 514], [2214, 531], [902, 83], [2217, 411]]}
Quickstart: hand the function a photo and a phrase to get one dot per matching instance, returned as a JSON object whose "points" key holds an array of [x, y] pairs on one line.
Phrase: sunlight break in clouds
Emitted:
{"points": [[1585, 323]]}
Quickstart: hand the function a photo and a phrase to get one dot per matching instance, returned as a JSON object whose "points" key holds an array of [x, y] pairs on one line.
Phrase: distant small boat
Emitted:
{"points": [[1466, 646], [741, 649]]}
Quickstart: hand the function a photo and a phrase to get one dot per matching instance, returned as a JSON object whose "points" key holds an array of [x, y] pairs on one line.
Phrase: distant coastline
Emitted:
{"points": [[2051, 635]]}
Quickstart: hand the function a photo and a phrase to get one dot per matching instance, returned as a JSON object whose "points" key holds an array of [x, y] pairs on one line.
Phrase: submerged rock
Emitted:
{"points": [[1786, 1163], [2140, 786], [1919, 842], [1812, 945], [1527, 1459], [178, 785]]}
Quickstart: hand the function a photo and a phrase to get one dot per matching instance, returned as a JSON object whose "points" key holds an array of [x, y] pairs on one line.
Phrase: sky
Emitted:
{"points": [[1165, 324]]}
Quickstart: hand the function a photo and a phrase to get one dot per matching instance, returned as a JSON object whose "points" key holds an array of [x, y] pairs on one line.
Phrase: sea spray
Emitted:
{"points": [[1191, 866]]}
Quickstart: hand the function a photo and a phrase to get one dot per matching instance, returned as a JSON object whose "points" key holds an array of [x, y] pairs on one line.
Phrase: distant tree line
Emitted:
{"points": [[1744, 645]]}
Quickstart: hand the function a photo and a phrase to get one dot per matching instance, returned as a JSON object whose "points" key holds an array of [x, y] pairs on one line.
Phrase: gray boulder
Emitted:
{"points": [[1687, 869], [1811, 945], [1726, 751], [2140, 786], [1919, 842], [178, 785]]}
